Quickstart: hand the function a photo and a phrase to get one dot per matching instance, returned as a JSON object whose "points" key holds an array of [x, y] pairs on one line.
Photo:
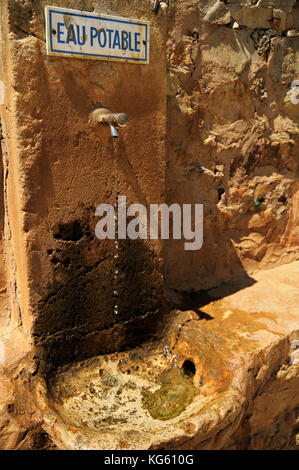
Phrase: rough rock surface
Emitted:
{"points": [[212, 122], [233, 140]]}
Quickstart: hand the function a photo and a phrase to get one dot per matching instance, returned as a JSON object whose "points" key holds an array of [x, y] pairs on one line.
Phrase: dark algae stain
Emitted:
{"points": [[76, 300], [176, 392]]}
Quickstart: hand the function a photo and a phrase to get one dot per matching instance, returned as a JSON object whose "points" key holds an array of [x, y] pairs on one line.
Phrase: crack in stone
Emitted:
{"points": [[29, 34]]}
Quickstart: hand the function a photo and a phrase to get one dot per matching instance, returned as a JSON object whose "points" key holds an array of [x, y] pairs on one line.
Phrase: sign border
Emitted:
{"points": [[108, 58]]}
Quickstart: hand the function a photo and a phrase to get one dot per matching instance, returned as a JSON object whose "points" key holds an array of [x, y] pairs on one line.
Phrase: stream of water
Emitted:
{"points": [[116, 243]]}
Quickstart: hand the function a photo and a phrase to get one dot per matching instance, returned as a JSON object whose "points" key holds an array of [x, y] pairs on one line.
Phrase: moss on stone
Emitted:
{"points": [[177, 391]]}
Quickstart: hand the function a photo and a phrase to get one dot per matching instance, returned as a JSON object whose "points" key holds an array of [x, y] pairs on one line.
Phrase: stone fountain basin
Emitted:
{"points": [[245, 377]]}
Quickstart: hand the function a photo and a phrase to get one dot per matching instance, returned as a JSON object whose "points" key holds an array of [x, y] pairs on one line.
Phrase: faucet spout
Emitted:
{"points": [[114, 131]]}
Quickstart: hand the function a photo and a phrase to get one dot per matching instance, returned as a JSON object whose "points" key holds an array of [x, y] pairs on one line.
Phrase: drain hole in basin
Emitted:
{"points": [[188, 368]]}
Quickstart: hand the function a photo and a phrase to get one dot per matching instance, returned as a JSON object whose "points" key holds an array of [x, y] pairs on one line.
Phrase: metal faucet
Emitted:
{"points": [[115, 120]]}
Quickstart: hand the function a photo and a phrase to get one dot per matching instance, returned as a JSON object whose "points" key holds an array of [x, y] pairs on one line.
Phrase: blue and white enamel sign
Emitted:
{"points": [[71, 33]]}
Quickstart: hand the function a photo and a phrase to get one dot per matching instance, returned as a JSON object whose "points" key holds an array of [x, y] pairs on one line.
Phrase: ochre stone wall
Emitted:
{"points": [[62, 167]]}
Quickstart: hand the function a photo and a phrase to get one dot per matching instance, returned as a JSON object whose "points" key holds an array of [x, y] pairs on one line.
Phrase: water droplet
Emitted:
{"points": [[175, 362]]}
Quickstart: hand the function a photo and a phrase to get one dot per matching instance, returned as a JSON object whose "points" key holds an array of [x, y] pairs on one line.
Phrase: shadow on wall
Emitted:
{"points": [[189, 276], [192, 298], [75, 313]]}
